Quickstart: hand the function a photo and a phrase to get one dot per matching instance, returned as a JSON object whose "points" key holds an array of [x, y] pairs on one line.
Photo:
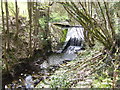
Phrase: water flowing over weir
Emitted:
{"points": [[74, 43], [74, 38]]}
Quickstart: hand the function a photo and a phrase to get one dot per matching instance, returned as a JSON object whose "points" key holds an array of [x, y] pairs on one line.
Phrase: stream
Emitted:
{"points": [[30, 80], [40, 71]]}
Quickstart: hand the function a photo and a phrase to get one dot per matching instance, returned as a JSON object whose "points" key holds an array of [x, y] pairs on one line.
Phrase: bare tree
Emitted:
{"points": [[4, 36], [103, 35], [7, 25], [36, 23], [17, 24], [47, 31], [30, 23]]}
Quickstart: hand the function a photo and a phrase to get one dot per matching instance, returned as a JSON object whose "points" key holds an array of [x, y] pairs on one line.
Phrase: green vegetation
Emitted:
{"points": [[56, 17], [64, 33], [30, 36]]}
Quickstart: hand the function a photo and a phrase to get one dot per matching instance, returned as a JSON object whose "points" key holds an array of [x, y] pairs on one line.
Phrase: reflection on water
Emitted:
{"points": [[56, 59], [29, 82]]}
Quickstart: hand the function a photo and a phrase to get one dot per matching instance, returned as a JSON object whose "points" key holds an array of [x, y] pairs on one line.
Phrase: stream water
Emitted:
{"points": [[56, 59], [29, 80]]}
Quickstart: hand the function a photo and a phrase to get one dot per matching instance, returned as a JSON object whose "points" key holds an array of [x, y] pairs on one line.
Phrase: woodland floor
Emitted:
{"points": [[88, 70], [79, 73]]}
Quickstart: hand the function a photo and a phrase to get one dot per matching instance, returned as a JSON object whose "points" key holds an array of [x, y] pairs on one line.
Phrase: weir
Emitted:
{"points": [[74, 39], [74, 43]]}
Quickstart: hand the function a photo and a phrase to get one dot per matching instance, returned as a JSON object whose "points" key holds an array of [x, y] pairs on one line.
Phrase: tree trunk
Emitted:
{"points": [[16, 15], [30, 23], [7, 25], [109, 21], [36, 22], [4, 36], [47, 32]]}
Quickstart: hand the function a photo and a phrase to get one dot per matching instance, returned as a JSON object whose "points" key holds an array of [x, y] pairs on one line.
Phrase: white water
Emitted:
{"points": [[56, 59], [75, 32]]}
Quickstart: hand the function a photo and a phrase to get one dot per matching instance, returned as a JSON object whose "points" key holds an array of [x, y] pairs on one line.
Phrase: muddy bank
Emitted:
{"points": [[24, 66]]}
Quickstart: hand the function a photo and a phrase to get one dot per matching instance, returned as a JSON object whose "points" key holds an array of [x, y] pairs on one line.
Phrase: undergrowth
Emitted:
{"points": [[91, 69]]}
